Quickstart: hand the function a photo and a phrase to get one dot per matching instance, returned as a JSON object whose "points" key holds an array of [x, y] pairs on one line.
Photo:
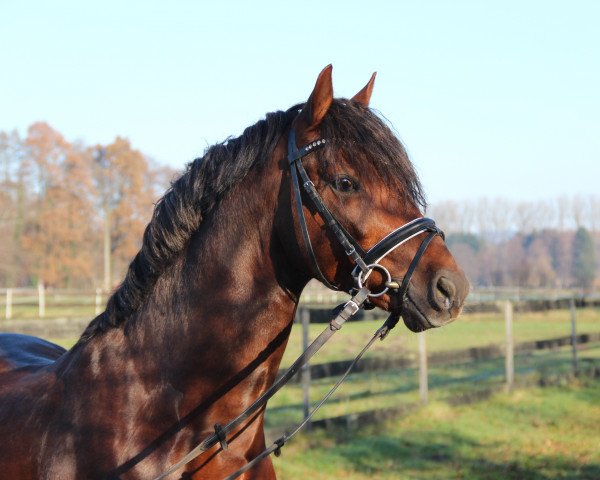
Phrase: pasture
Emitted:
{"points": [[470, 330], [452, 381], [534, 434]]}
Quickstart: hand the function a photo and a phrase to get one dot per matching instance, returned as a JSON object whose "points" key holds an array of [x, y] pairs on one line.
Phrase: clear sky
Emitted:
{"points": [[491, 98]]}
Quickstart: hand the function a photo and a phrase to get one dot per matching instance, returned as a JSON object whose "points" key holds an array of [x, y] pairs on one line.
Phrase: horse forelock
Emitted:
{"points": [[364, 135], [179, 213]]}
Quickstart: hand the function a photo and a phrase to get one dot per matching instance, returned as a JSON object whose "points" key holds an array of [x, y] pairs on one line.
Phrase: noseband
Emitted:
{"points": [[365, 261]]}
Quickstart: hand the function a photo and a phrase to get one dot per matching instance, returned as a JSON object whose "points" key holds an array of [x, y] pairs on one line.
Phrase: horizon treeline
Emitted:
{"points": [[551, 243], [63, 203]]}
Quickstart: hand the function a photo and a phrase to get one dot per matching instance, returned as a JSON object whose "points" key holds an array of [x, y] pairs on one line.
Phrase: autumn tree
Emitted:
{"points": [[539, 262], [12, 207], [58, 200], [60, 230], [126, 187]]}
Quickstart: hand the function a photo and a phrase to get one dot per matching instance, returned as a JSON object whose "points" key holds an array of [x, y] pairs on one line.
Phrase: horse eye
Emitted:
{"points": [[344, 184]]}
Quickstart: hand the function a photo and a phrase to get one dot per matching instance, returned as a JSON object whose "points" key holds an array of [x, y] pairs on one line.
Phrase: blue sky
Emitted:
{"points": [[495, 99]]}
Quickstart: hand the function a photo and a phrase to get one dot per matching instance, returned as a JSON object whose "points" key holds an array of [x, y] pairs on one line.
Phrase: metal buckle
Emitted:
{"points": [[353, 307], [221, 435]]}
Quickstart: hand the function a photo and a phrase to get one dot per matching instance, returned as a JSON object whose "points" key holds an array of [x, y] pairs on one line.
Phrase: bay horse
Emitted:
{"points": [[198, 327]]}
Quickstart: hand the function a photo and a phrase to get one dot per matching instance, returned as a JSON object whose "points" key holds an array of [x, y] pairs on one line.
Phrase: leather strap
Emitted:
{"points": [[302, 220], [350, 245], [220, 435], [395, 315], [281, 441]]}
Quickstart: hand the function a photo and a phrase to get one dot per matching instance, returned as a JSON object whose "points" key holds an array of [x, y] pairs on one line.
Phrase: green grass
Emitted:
{"points": [[393, 388], [469, 330], [535, 434]]}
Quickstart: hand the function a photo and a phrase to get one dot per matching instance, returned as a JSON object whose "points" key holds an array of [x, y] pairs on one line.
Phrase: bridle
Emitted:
{"points": [[365, 263]]}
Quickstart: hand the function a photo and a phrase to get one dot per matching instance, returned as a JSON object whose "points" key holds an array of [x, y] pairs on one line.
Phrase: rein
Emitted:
{"points": [[366, 262]]}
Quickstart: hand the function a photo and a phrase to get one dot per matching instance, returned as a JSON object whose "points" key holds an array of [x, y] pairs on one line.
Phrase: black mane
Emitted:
{"points": [[179, 213]]}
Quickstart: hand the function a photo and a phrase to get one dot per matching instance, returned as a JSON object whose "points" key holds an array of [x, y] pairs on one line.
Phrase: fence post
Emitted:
{"points": [[509, 360], [8, 313], [41, 299], [305, 317], [574, 335], [423, 380], [98, 300]]}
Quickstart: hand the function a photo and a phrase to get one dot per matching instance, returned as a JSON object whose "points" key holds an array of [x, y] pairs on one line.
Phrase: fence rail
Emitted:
{"points": [[423, 361], [320, 371], [52, 304], [42, 300], [590, 368]]}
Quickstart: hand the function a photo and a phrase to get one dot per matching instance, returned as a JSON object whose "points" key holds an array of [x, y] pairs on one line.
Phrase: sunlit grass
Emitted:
{"points": [[396, 388], [533, 434]]}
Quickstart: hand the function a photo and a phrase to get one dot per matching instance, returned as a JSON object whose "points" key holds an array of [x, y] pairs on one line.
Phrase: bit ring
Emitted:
{"points": [[371, 267]]}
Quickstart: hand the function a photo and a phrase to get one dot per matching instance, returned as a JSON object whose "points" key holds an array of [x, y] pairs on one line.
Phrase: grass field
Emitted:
{"points": [[534, 434], [397, 388], [366, 391], [470, 330]]}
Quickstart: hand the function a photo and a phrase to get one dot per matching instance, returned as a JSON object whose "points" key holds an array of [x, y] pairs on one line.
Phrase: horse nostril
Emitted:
{"points": [[445, 293]]}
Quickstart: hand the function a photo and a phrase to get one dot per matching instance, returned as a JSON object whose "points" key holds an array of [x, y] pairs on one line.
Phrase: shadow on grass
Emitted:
{"points": [[443, 455]]}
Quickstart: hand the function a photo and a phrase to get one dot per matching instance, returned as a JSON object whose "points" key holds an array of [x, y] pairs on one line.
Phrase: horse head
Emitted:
{"points": [[363, 177]]}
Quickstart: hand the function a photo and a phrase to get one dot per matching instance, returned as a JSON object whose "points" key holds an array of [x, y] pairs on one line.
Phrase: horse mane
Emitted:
{"points": [[179, 213]]}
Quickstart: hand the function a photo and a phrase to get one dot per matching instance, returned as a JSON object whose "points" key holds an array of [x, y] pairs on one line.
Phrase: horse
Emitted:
{"points": [[197, 329]]}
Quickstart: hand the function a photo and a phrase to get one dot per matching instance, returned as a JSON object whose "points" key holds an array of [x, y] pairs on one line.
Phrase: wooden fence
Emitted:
{"points": [[42, 302], [41, 319], [35, 302], [424, 361]]}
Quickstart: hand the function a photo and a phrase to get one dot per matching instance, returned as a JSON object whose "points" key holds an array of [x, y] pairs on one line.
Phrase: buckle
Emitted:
{"points": [[353, 307], [221, 435]]}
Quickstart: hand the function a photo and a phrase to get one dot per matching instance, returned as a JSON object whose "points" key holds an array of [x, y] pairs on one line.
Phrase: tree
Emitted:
{"points": [[125, 184], [584, 259], [59, 233], [539, 262], [12, 208]]}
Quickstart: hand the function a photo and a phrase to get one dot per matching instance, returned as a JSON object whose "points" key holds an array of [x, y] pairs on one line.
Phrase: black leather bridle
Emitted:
{"points": [[365, 263]]}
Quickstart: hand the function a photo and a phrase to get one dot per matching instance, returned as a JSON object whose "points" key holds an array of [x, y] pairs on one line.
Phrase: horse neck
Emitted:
{"points": [[220, 312]]}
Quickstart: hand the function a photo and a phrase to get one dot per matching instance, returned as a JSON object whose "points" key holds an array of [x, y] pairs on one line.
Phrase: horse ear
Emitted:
{"points": [[364, 96], [320, 99]]}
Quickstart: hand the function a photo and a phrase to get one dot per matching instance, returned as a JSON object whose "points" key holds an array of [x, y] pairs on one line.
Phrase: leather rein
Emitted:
{"points": [[365, 263]]}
